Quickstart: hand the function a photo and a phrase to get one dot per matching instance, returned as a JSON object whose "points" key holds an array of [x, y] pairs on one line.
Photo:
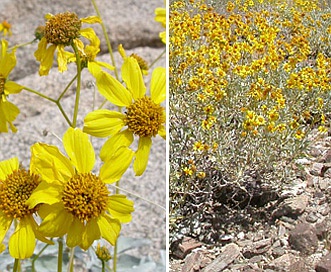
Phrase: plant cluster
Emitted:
{"points": [[249, 82], [59, 195]]}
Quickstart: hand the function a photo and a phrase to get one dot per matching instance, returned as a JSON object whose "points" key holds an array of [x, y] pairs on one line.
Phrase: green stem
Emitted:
{"points": [[159, 57], [16, 265], [115, 257], [39, 94], [117, 191], [79, 73], [21, 45], [63, 113], [103, 266], [67, 88], [56, 102], [36, 257], [71, 261], [104, 30], [60, 256]]}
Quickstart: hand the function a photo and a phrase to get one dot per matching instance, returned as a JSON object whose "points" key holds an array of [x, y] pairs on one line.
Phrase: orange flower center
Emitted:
{"points": [[144, 118], [62, 28], [85, 196], [15, 191]]}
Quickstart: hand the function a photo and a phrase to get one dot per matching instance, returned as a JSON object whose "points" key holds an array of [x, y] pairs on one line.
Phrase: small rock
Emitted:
{"points": [[327, 173], [257, 248], [327, 156], [316, 169], [322, 228], [303, 238], [281, 230], [315, 152], [256, 259], [192, 262], [311, 217], [278, 251], [324, 265], [282, 263], [292, 207], [183, 247], [324, 209], [228, 255], [298, 266], [323, 183]]}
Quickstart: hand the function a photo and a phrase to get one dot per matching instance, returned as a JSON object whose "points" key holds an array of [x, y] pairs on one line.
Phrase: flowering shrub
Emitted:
{"points": [[249, 82], [59, 197]]}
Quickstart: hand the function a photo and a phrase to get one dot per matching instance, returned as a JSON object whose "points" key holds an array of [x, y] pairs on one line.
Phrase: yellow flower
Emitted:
{"points": [[8, 111], [88, 56], [103, 253], [63, 29], [144, 115], [201, 175], [5, 27], [188, 171], [141, 62], [74, 200], [16, 186], [160, 16]]}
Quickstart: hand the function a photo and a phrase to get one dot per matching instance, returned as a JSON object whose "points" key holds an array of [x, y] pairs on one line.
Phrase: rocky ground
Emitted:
{"points": [[296, 238]]}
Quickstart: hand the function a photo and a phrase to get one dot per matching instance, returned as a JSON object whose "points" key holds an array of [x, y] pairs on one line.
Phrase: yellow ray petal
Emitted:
{"points": [[47, 60], [162, 132], [12, 87], [50, 163], [123, 138], [57, 222], [91, 233], [89, 34], [103, 123], [113, 169], [75, 233], [121, 208], [158, 85], [91, 20], [142, 154], [109, 228], [7, 60], [5, 223], [45, 193], [23, 241], [133, 78], [79, 149], [113, 90], [62, 60], [7, 167]]}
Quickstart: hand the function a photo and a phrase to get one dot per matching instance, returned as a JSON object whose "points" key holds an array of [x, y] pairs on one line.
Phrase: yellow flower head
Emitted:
{"points": [[72, 199], [160, 16], [8, 111], [141, 62], [16, 186], [63, 29], [144, 116], [103, 253], [5, 27]]}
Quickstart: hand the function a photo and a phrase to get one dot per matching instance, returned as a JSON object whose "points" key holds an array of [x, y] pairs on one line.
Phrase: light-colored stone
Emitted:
{"points": [[228, 255]]}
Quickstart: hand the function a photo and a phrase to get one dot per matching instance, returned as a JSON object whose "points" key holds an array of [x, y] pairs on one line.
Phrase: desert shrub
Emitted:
{"points": [[249, 82]]}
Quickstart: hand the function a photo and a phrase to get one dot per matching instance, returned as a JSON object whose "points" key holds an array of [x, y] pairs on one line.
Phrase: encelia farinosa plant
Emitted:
{"points": [[249, 87], [60, 198]]}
